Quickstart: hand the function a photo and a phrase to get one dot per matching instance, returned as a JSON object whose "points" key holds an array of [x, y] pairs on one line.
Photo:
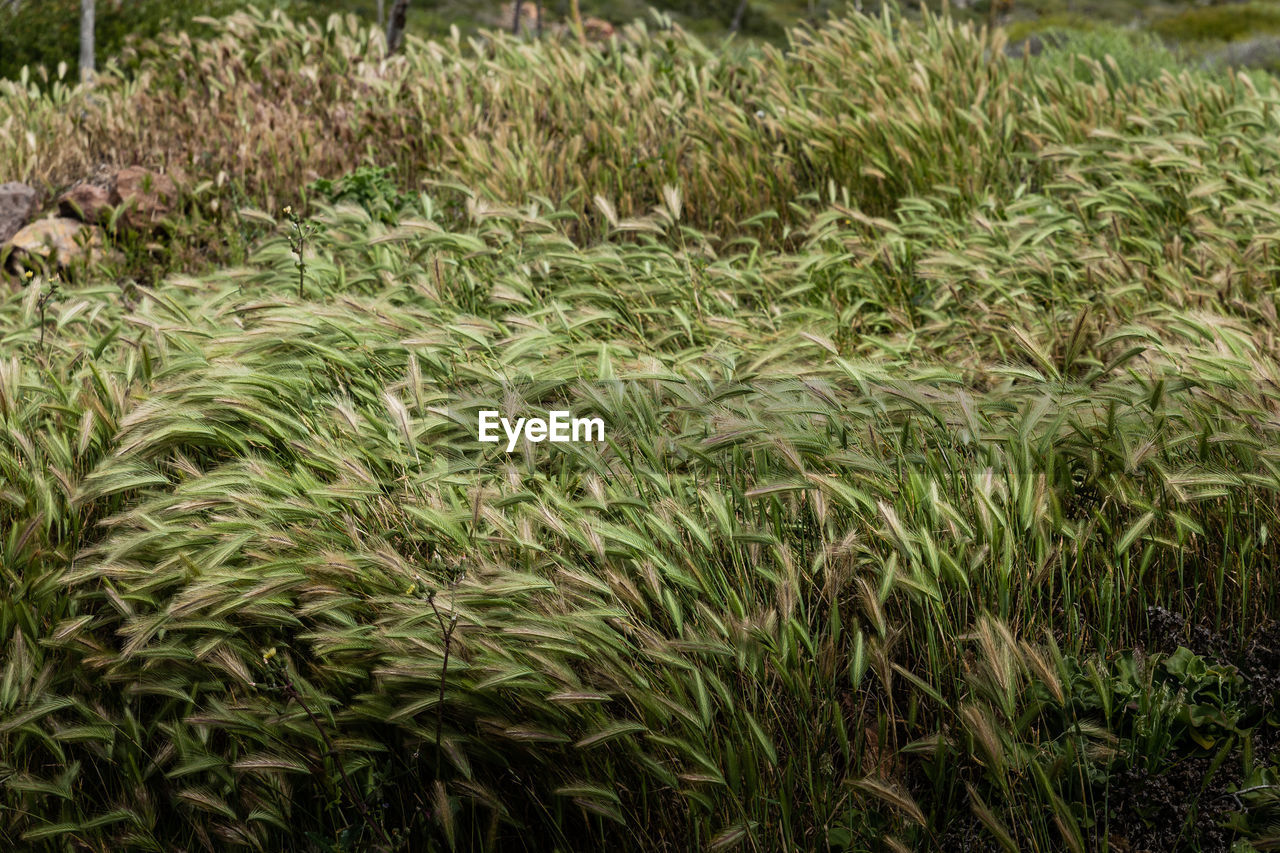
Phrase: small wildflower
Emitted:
{"points": [[27, 275], [298, 245]]}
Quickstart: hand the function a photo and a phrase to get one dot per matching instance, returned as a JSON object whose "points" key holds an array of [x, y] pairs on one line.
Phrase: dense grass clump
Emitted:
{"points": [[938, 508]]}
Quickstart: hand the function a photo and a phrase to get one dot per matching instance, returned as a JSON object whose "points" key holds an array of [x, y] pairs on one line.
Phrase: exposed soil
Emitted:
{"points": [[1178, 808]]}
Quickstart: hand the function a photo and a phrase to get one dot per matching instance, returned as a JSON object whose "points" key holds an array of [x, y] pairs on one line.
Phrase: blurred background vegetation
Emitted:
{"points": [[43, 32]]}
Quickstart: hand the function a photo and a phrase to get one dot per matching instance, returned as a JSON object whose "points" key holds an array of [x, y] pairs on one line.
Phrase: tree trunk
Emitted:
{"points": [[382, 14], [86, 40], [538, 8], [737, 17], [515, 17], [395, 26], [576, 18]]}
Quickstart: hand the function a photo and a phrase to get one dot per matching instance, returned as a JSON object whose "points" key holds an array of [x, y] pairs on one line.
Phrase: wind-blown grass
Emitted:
{"points": [[928, 394]]}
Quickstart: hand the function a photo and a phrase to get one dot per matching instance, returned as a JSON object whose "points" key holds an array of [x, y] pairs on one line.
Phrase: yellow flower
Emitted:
{"points": [[288, 211]]}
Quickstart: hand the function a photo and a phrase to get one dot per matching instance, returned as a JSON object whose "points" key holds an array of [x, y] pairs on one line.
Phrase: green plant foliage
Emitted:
{"points": [[938, 501], [1125, 57], [1042, 24], [1220, 23], [47, 32], [371, 187]]}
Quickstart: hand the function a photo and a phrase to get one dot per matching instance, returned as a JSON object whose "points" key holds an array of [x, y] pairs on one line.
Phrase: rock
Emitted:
{"points": [[147, 196], [59, 239], [179, 177], [1259, 52], [1034, 44], [18, 203], [86, 202], [597, 29]]}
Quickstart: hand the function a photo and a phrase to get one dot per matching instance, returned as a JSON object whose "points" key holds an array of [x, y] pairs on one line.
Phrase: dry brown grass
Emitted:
{"points": [[255, 114]]}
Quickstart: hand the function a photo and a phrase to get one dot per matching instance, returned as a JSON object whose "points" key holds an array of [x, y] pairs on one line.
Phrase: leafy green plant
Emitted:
{"points": [[371, 187], [299, 232], [50, 293]]}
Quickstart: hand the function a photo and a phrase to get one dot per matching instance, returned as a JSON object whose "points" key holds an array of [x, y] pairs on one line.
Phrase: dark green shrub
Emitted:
{"points": [[371, 187], [1220, 23], [46, 32]]}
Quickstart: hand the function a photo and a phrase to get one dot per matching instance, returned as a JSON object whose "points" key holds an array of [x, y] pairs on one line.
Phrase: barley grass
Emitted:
{"points": [[925, 390]]}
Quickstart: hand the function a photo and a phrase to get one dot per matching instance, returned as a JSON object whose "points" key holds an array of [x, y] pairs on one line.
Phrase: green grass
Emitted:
{"points": [[1220, 23], [939, 505], [45, 33]]}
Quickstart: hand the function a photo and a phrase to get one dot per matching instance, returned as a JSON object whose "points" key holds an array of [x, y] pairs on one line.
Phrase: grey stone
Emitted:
{"points": [[18, 203], [1034, 44], [1260, 52]]}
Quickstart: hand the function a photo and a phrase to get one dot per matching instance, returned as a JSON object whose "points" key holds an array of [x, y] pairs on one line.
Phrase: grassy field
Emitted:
{"points": [[45, 32], [938, 509]]}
